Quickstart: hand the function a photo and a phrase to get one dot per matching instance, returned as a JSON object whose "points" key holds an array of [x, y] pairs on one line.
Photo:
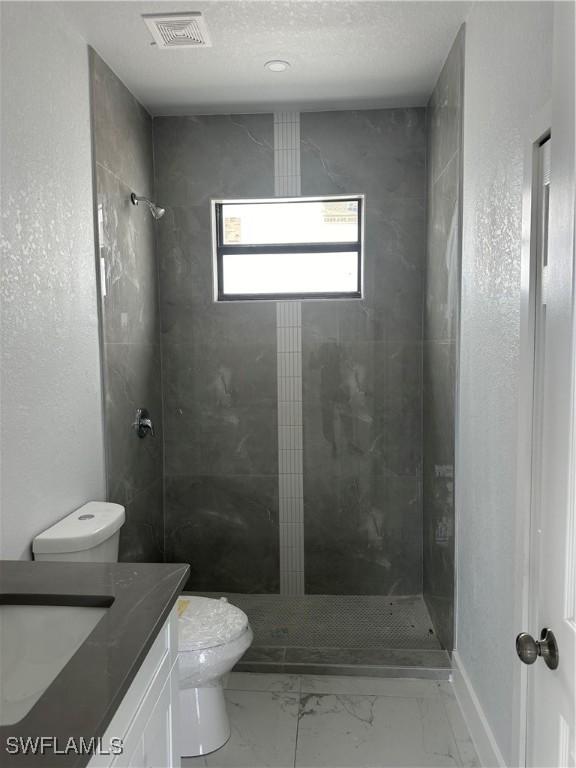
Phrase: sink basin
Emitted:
{"points": [[36, 642]]}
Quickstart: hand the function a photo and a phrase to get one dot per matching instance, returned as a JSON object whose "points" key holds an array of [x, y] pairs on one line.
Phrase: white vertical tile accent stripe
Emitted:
{"points": [[286, 154], [290, 465], [289, 356]]}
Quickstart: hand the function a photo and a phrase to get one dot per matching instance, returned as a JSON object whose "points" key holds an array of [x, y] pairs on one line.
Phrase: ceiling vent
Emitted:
{"points": [[178, 30]]}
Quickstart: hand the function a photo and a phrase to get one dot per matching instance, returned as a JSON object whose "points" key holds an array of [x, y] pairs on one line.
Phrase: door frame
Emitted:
{"points": [[536, 130]]}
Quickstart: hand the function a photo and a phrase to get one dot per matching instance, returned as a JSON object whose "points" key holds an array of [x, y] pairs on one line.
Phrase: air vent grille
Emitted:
{"points": [[178, 30]]}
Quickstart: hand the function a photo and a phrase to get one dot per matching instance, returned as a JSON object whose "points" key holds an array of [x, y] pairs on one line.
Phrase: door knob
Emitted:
{"points": [[529, 649]]}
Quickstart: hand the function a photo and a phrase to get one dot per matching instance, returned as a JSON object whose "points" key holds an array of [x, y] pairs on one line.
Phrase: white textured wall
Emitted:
{"points": [[507, 79], [51, 428]]}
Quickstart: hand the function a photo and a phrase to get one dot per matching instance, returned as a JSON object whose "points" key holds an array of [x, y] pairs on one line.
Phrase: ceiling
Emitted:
{"points": [[361, 54]]}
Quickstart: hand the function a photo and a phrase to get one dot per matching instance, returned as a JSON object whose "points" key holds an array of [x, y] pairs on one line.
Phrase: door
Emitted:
{"points": [[551, 711]]}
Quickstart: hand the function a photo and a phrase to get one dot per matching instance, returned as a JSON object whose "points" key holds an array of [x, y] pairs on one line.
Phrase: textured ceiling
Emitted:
{"points": [[343, 54]]}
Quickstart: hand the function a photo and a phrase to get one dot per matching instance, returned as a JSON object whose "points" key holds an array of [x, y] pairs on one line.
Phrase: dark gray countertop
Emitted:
{"points": [[83, 698]]}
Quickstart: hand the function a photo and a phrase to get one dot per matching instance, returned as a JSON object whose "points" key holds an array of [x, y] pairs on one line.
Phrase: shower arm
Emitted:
{"points": [[155, 210]]}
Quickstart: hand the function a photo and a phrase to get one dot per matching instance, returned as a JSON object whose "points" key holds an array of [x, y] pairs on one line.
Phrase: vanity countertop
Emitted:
{"points": [[83, 698]]}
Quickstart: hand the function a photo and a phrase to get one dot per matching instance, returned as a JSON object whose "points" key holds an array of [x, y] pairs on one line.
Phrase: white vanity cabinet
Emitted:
{"points": [[148, 718]]}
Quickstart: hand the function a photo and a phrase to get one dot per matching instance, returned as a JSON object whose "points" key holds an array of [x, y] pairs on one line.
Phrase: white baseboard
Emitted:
{"points": [[488, 752]]}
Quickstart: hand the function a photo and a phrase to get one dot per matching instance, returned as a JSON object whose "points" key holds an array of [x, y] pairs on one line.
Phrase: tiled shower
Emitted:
{"points": [[303, 454]]}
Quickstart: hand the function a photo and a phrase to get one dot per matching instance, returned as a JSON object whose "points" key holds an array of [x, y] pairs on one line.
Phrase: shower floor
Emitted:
{"points": [[341, 634]]}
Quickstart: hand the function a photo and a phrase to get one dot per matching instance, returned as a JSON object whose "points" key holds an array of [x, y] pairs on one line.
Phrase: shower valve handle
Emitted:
{"points": [[143, 423]]}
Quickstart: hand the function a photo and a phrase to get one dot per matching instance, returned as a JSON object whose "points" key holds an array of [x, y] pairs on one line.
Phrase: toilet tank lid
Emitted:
{"points": [[83, 529]]}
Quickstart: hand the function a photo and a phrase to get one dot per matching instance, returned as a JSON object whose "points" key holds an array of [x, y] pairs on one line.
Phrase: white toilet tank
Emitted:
{"points": [[90, 534]]}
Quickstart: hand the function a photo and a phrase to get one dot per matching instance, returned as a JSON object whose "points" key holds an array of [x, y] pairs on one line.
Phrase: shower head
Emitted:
{"points": [[155, 210]]}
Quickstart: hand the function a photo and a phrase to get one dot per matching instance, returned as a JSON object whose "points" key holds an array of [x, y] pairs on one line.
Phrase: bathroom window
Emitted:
{"points": [[288, 248]]}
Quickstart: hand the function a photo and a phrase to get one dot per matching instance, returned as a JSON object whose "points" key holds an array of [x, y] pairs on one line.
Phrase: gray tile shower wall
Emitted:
{"points": [[130, 335], [442, 298], [362, 362], [219, 360]]}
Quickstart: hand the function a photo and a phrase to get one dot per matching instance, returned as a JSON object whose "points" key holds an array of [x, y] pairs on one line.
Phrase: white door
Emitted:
{"points": [[551, 722]]}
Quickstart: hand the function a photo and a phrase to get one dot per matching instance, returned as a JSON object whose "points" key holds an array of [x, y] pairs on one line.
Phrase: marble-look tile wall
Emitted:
{"points": [[362, 362], [220, 386], [130, 328], [442, 301]]}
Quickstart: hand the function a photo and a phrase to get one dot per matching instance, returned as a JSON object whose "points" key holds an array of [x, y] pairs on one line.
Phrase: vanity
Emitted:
{"points": [[88, 664]]}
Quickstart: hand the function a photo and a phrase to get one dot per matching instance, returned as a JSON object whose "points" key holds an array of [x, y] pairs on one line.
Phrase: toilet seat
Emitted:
{"points": [[208, 623]]}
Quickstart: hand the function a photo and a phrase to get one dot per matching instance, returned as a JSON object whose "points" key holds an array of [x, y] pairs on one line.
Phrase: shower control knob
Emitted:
{"points": [[143, 423]]}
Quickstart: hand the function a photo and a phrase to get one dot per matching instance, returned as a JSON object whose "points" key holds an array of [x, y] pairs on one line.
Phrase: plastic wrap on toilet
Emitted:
{"points": [[205, 623], [204, 667]]}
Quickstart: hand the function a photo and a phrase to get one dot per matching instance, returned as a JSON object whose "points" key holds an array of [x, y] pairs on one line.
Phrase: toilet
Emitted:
{"points": [[90, 534], [212, 634]]}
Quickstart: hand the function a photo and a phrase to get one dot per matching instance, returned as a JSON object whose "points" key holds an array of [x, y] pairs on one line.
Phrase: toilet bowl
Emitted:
{"points": [[213, 635]]}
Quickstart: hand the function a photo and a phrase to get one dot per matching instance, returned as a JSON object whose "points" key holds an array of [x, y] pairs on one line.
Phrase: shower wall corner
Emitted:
{"points": [[441, 334], [129, 309]]}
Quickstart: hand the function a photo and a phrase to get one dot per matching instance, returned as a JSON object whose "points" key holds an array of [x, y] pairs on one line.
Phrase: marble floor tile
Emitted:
{"points": [[254, 681], [341, 722], [351, 731], [466, 749], [264, 727]]}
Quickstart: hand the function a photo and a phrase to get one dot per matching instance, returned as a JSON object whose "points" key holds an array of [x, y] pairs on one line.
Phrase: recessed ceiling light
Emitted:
{"points": [[277, 65]]}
